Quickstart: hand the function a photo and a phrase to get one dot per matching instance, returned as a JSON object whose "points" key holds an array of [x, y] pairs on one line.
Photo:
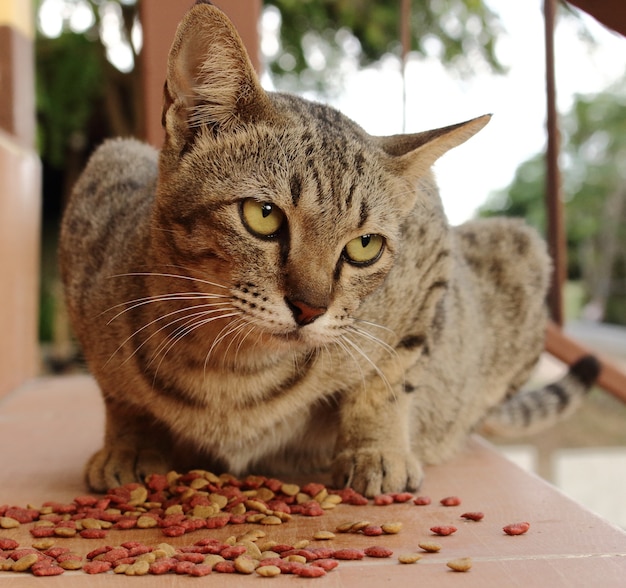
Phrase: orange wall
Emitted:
{"points": [[20, 200], [159, 19]]}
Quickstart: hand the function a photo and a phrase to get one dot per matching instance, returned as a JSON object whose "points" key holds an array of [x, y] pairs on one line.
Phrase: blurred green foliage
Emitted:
{"points": [[593, 166]]}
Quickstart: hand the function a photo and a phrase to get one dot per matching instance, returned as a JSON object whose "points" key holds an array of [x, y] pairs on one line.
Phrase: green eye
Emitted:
{"points": [[365, 249], [261, 218]]}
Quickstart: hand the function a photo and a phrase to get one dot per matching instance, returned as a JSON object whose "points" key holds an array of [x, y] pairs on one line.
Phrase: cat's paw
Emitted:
{"points": [[111, 467], [373, 471]]}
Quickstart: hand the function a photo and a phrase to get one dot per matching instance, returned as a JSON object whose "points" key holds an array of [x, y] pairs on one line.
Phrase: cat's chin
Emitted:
{"points": [[299, 339]]}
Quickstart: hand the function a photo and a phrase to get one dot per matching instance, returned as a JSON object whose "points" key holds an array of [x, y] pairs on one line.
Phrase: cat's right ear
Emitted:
{"points": [[210, 79], [415, 154]]}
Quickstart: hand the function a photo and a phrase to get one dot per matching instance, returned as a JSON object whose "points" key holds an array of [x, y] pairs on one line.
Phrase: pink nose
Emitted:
{"points": [[303, 313]]}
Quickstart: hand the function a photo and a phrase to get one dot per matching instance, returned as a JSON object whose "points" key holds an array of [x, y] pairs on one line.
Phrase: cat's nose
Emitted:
{"points": [[303, 313]]}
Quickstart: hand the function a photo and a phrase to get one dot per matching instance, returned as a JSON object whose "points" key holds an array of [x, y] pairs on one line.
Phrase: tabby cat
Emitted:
{"points": [[276, 286]]}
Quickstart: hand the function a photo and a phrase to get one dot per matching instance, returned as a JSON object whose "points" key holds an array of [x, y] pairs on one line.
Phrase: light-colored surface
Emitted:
{"points": [[20, 173], [49, 427], [586, 473]]}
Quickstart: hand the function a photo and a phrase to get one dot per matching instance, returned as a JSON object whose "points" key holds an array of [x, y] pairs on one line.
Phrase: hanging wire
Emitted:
{"points": [[405, 39]]}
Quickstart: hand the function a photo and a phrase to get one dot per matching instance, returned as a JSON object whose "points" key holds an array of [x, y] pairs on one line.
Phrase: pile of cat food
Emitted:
{"points": [[179, 504]]}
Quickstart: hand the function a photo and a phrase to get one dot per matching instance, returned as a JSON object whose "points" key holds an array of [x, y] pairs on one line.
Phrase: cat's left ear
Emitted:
{"points": [[210, 79], [414, 154]]}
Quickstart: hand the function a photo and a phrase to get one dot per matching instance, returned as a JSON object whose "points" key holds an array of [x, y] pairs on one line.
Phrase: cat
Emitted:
{"points": [[276, 286]]}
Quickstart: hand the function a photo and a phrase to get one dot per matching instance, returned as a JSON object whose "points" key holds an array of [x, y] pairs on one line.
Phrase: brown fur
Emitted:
{"points": [[216, 346]]}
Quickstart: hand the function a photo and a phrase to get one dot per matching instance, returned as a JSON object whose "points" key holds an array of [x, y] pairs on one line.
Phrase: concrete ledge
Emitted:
{"points": [[49, 428]]}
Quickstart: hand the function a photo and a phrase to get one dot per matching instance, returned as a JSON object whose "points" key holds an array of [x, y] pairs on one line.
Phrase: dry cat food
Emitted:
{"points": [[429, 546], [178, 504], [199, 559], [409, 558], [462, 564], [422, 500], [473, 516], [443, 530], [450, 501], [516, 528]]}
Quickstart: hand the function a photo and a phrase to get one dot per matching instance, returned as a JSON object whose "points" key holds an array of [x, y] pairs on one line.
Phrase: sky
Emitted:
{"points": [[435, 98]]}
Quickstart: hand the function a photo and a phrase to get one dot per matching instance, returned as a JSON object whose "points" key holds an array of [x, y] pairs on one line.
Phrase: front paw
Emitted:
{"points": [[116, 466], [373, 471]]}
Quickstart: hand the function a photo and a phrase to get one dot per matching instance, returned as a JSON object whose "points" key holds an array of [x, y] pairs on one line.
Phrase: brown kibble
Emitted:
{"points": [[462, 564], [332, 499], [323, 535], [391, 528], [356, 527], [9, 523], [301, 544], [245, 564], [199, 483], [429, 546], [257, 505], [205, 511], [139, 568], [65, 532], [268, 571], [25, 563], [146, 522], [138, 496], [344, 527], [296, 558], [271, 520], [219, 500], [213, 559], [43, 544], [175, 509], [72, 564], [168, 549], [409, 558], [290, 489], [90, 523], [121, 568]]}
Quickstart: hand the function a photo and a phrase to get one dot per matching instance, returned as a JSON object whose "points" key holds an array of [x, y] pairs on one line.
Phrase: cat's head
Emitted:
{"points": [[288, 204]]}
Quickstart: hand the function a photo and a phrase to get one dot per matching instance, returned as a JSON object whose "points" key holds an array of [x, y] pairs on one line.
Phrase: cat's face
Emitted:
{"points": [[299, 221]]}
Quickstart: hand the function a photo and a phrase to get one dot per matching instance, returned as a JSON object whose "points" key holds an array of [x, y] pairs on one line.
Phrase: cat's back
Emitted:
{"points": [[108, 213], [117, 174]]}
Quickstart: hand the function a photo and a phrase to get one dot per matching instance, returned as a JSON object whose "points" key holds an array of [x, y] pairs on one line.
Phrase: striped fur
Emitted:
{"points": [[215, 345]]}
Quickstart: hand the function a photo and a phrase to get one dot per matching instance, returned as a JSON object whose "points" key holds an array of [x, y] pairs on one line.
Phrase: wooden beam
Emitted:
{"points": [[554, 206], [611, 13], [611, 378]]}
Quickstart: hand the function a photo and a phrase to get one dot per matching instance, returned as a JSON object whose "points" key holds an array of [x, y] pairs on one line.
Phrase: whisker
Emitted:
{"points": [[364, 355], [169, 324], [372, 324], [348, 351], [162, 298], [367, 335], [168, 275], [184, 330], [226, 331]]}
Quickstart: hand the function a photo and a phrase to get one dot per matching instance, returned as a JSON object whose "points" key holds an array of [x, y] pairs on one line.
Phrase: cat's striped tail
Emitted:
{"points": [[530, 411]]}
